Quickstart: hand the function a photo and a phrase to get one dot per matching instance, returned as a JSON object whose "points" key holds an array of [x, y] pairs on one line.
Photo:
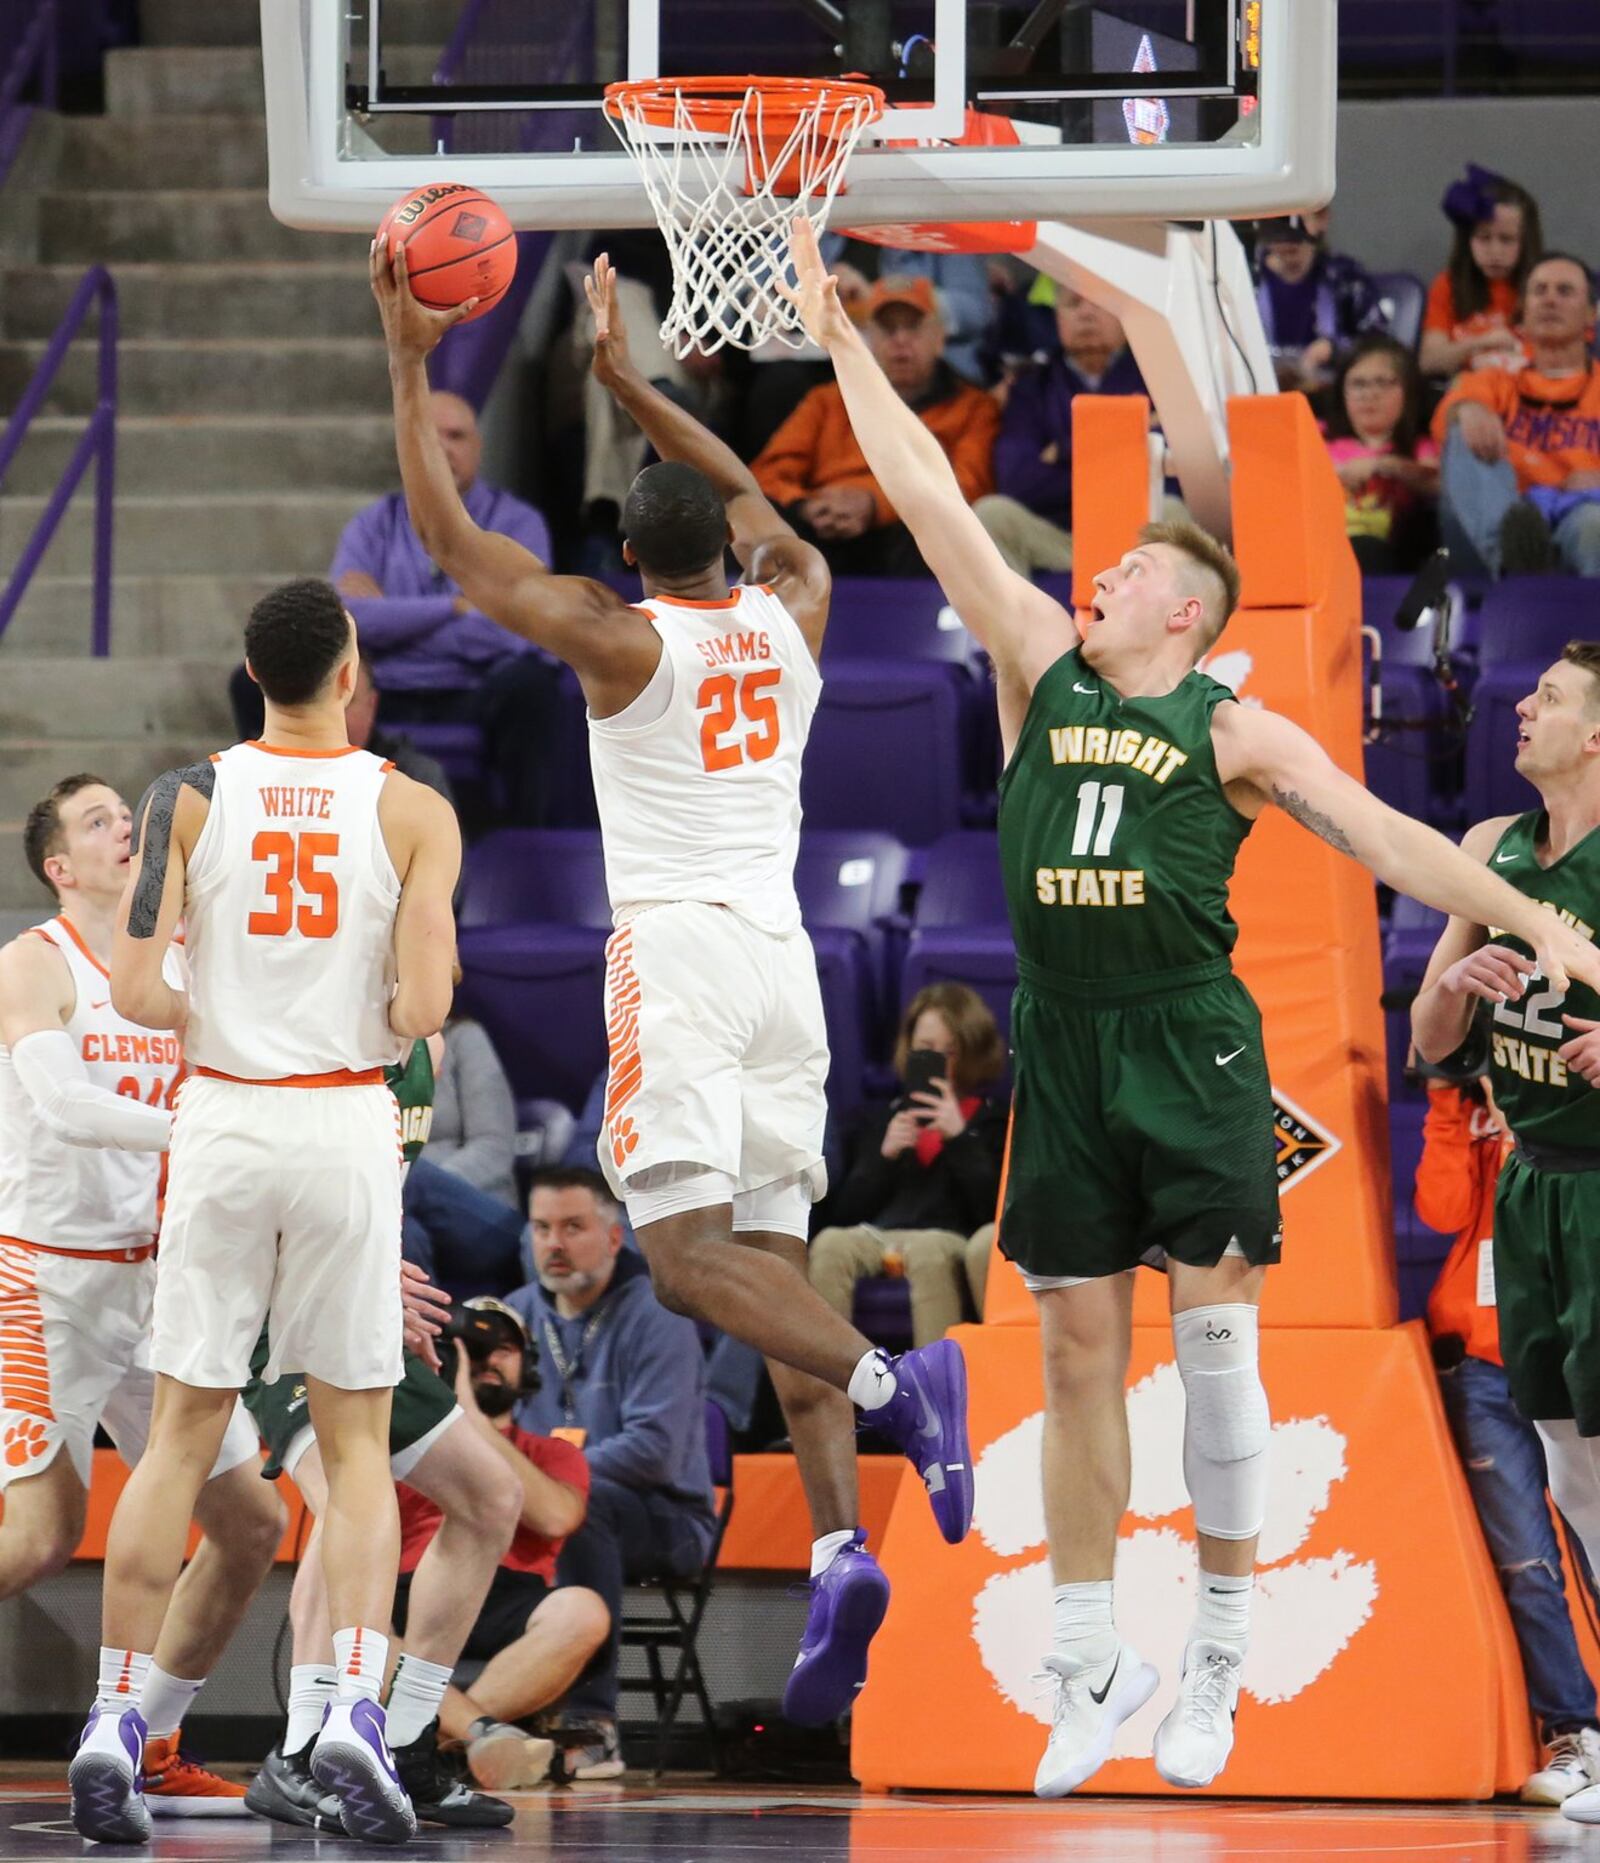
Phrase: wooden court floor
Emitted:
{"points": [[690, 1822]]}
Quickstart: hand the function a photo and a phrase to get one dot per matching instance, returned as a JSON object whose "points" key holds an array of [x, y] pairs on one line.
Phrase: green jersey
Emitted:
{"points": [[411, 1083], [1544, 1103], [1116, 840]]}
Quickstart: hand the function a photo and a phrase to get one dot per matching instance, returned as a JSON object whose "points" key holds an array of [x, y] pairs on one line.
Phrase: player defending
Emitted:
{"points": [[314, 882], [1544, 1065], [1142, 1117], [700, 700], [83, 1122]]}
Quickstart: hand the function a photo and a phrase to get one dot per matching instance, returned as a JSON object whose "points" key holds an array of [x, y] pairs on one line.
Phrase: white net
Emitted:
{"points": [[726, 175]]}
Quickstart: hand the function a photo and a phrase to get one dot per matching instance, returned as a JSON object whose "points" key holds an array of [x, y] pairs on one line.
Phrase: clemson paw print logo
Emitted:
{"points": [[624, 1141], [1306, 1610], [25, 1441]]}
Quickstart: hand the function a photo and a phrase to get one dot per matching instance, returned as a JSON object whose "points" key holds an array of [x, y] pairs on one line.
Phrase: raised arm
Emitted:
{"points": [[36, 1000], [1465, 968], [166, 825], [611, 647], [1020, 627], [1265, 758], [764, 542], [424, 841]]}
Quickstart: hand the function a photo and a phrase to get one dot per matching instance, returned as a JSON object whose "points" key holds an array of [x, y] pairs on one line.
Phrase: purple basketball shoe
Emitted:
{"points": [[847, 1605], [105, 1782], [927, 1418]]}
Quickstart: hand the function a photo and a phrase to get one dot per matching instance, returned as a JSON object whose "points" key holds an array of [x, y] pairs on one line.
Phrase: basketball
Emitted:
{"points": [[458, 245]]}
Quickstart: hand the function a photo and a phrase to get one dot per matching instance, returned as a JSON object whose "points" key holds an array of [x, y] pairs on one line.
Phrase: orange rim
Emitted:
{"points": [[713, 103]]}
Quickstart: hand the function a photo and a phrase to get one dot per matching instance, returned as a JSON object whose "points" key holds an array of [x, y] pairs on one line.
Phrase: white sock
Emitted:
{"points": [[360, 1657], [122, 1678], [166, 1700], [1083, 1623], [414, 1697], [311, 1687], [1222, 1610], [825, 1549], [872, 1383]]}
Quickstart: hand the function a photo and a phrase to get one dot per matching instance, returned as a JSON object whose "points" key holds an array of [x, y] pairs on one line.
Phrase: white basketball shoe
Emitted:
{"points": [[1092, 1700], [1194, 1740]]}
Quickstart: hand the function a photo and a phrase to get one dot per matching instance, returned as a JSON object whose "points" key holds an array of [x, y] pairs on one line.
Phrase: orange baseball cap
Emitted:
{"points": [[905, 289]]}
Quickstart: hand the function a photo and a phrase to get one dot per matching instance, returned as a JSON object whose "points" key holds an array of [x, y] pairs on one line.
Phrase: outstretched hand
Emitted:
{"points": [[410, 329], [815, 293], [611, 358]]}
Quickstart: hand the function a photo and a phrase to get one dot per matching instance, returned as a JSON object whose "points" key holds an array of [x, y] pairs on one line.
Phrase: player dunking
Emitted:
{"points": [[83, 1123], [700, 700], [1544, 1063], [314, 882], [1142, 1119]]}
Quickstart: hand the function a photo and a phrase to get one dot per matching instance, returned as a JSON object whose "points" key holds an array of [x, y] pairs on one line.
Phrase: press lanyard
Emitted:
{"points": [[570, 1369]]}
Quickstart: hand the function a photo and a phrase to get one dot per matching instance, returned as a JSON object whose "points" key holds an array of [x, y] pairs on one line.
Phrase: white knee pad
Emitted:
{"points": [[1228, 1425], [674, 1190], [782, 1207]]}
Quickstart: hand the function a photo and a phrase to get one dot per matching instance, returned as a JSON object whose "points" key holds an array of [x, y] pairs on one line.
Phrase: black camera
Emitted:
{"points": [[481, 1327]]}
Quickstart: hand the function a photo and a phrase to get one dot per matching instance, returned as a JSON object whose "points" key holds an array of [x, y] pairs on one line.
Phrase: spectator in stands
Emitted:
{"points": [[1472, 305], [927, 1170], [532, 1636], [436, 660], [813, 469], [629, 1378], [1386, 462], [1314, 303], [1521, 472], [461, 1222], [1464, 1145], [1029, 514]]}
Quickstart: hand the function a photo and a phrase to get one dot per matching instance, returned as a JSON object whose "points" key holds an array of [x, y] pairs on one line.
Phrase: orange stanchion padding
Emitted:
{"points": [[110, 1476], [771, 1531], [1378, 1663], [1110, 502], [1288, 510]]}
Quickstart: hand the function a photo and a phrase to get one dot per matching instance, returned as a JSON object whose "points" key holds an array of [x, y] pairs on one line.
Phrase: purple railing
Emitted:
{"points": [[32, 54], [98, 442], [499, 41]]}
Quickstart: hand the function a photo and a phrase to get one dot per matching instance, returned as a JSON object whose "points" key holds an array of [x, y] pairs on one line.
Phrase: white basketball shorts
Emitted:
{"points": [[75, 1352], [719, 1055], [283, 1203]]}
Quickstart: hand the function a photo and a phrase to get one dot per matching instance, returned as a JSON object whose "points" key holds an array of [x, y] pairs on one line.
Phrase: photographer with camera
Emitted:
{"points": [[533, 1637], [626, 1378], [927, 1172], [1464, 1144]]}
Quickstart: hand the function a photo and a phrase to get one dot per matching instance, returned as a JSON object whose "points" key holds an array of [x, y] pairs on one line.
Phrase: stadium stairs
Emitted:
{"points": [[253, 407]]}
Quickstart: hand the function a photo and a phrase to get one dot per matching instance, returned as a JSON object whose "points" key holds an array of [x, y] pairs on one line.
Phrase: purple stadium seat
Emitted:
{"points": [[882, 1310], [572, 802], [892, 619], [849, 1009], [458, 748], [1414, 763], [886, 751], [961, 882], [539, 991], [849, 883], [1493, 785], [1528, 618], [523, 876], [1413, 932], [980, 956]]}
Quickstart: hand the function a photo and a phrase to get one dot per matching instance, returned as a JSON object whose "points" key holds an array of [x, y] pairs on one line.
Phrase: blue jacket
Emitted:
{"points": [[637, 1388], [1038, 415]]}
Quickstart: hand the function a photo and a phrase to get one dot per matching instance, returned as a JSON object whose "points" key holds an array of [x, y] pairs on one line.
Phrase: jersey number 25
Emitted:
{"points": [[720, 700], [291, 863]]}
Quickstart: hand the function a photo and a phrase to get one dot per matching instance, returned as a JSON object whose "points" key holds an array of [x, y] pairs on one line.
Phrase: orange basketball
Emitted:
{"points": [[458, 245]]}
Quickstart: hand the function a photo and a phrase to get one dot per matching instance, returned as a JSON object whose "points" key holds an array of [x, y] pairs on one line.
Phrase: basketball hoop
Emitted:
{"points": [[727, 164]]}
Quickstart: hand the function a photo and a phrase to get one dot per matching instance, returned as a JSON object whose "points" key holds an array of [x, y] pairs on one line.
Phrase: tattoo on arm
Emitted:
{"points": [[156, 809], [1308, 817]]}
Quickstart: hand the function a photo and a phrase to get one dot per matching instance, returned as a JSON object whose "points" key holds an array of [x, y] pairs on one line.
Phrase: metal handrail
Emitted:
{"points": [[36, 49], [98, 442]]}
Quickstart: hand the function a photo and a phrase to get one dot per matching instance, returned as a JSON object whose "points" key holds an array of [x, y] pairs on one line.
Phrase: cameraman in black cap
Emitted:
{"points": [[532, 1636]]}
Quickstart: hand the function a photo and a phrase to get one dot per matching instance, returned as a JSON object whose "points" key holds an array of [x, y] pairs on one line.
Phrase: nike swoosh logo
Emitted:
{"points": [[1098, 1696], [930, 1417], [1501, 859], [1091, 690], [105, 1005], [1222, 1060]]}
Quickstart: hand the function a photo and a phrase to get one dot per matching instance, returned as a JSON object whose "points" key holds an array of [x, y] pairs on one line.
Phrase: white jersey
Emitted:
{"points": [[698, 780], [61, 1196], [289, 916]]}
